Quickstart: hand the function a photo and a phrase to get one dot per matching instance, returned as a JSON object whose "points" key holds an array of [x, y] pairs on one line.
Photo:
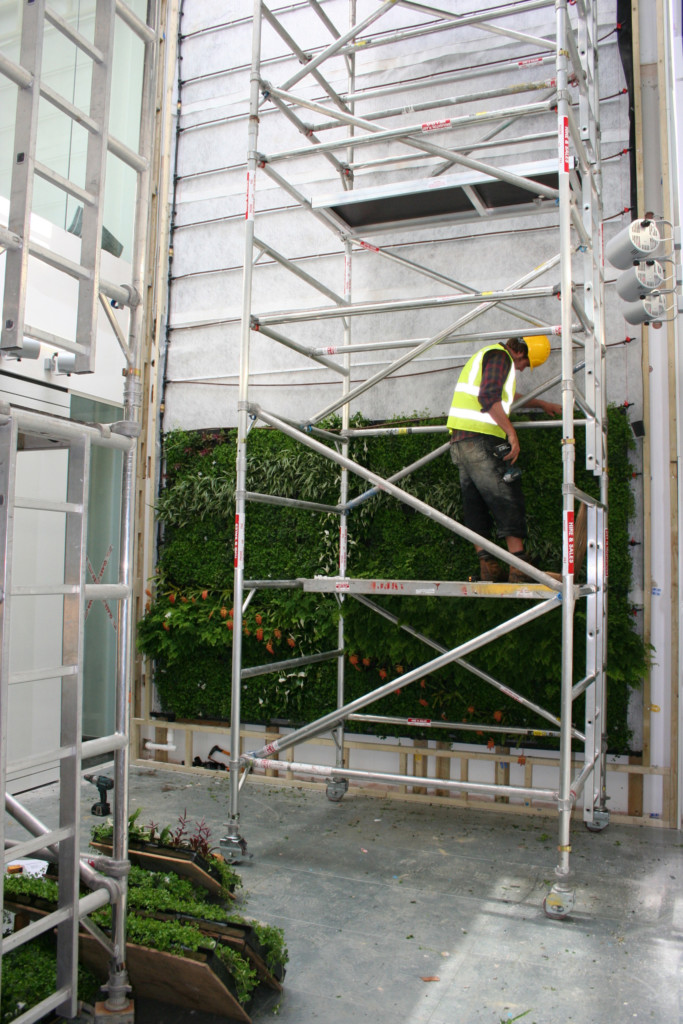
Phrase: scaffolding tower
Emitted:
{"points": [[399, 174], [67, 514]]}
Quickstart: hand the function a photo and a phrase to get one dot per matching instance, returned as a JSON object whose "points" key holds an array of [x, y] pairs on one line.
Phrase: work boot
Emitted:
{"points": [[518, 576], [490, 571]]}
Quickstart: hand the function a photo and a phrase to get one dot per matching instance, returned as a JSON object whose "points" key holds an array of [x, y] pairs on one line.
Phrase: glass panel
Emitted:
{"points": [[102, 549]]}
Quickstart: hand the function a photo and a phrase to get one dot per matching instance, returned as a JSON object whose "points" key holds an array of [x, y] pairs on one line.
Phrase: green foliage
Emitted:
{"points": [[31, 886], [190, 621], [29, 975]]}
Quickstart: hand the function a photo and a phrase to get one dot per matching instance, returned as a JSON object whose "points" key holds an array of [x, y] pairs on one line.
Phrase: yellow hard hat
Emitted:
{"points": [[538, 348]]}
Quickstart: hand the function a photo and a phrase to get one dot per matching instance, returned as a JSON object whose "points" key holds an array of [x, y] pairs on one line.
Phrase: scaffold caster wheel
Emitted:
{"points": [[599, 821], [558, 905], [336, 789], [234, 849]]}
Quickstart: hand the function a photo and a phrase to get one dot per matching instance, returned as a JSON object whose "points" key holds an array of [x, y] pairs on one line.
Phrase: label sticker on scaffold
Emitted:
{"points": [[436, 126], [419, 721], [239, 543], [564, 144], [251, 191], [342, 585], [569, 546], [366, 245], [606, 558], [343, 541]]}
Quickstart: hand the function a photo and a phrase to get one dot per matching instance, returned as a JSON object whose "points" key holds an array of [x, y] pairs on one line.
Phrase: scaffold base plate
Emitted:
{"points": [[558, 904], [102, 1015]]}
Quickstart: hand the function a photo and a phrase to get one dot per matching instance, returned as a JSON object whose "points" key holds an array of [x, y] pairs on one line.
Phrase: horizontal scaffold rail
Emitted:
{"points": [[429, 588], [401, 306], [326, 771]]}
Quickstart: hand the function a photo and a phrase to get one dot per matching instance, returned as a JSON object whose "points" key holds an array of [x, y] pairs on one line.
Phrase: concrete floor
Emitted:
{"points": [[433, 915]]}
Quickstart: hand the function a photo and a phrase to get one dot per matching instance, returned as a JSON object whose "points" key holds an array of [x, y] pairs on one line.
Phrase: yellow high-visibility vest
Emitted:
{"points": [[466, 412]]}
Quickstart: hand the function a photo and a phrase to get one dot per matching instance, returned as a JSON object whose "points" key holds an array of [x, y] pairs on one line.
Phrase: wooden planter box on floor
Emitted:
{"points": [[166, 978], [241, 938], [186, 863]]}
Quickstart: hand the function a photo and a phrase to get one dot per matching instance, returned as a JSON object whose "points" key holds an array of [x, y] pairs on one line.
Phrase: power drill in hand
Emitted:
{"points": [[103, 783], [512, 473]]}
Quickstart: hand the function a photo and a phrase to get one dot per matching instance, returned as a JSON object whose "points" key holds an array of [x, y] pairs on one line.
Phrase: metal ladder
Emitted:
{"points": [[16, 239], [22, 431]]}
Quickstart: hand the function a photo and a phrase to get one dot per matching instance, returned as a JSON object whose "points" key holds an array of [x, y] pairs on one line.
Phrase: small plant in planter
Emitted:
{"points": [[31, 890], [169, 843]]}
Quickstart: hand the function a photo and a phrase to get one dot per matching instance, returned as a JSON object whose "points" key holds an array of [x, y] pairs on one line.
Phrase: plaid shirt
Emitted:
{"points": [[494, 370]]}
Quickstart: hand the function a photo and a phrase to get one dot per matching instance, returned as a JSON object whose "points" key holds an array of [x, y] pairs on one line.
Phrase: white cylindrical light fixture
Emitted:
{"points": [[639, 241], [644, 311], [640, 280]]}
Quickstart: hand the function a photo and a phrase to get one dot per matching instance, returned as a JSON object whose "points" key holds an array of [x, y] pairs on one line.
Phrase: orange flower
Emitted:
{"points": [[479, 733], [424, 703], [291, 641], [382, 673], [277, 633], [353, 658], [229, 624], [423, 683], [521, 759], [205, 594], [269, 647], [397, 691], [259, 634], [224, 613], [148, 605], [498, 716], [259, 619], [491, 743], [231, 613], [471, 710], [247, 632], [399, 669], [171, 598], [184, 600], [366, 662], [166, 626], [149, 593]]}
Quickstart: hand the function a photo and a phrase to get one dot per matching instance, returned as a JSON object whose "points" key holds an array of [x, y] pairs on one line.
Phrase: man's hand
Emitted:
{"points": [[551, 408], [513, 441]]}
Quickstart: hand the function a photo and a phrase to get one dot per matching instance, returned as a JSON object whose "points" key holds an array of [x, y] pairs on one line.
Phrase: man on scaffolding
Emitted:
{"points": [[485, 446]]}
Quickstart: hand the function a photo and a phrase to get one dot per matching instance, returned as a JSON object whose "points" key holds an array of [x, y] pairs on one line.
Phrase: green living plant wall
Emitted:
{"points": [[190, 620]]}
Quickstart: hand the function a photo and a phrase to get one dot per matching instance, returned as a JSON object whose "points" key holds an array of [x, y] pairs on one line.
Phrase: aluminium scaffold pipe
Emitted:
{"points": [[391, 779]]}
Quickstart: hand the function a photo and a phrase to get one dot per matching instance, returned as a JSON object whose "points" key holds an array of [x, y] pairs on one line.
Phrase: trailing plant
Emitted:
{"points": [[190, 619], [272, 940]]}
